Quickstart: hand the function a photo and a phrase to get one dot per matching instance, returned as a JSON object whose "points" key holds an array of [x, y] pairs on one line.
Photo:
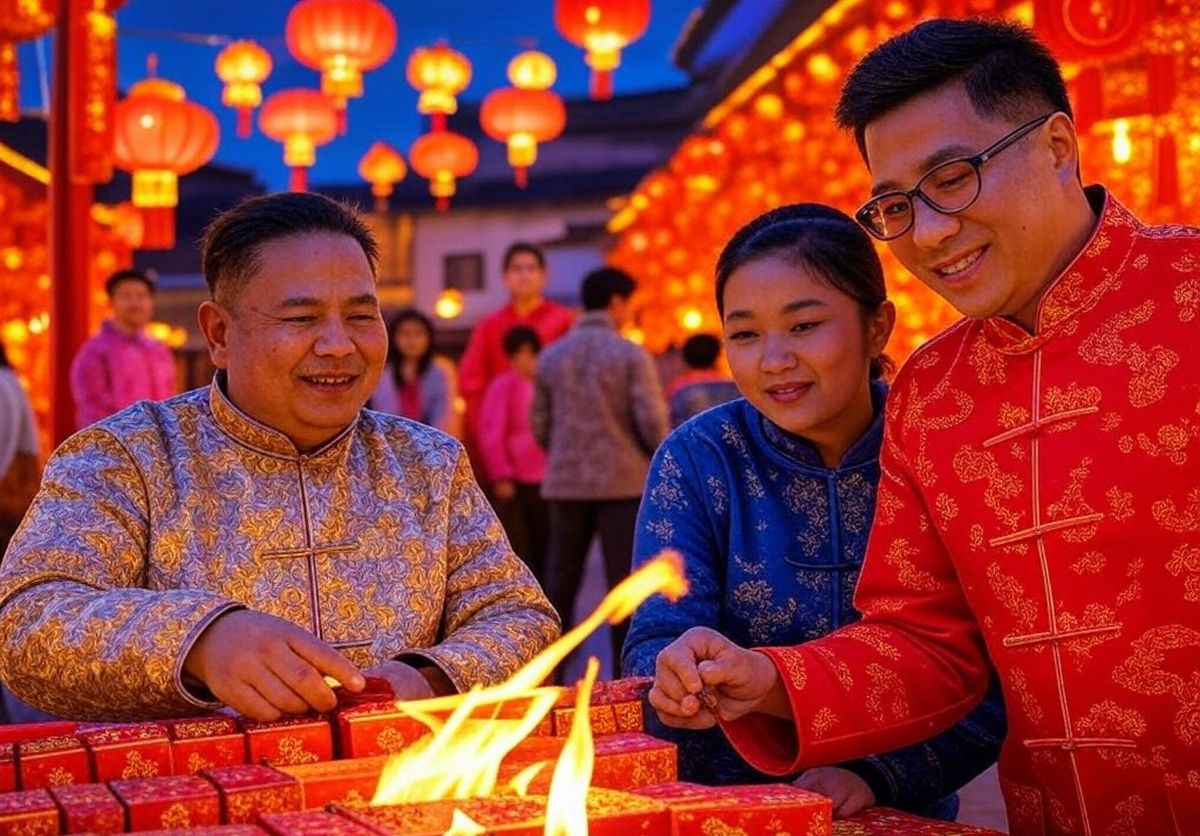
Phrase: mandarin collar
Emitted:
{"points": [[258, 436], [862, 451], [1092, 273]]}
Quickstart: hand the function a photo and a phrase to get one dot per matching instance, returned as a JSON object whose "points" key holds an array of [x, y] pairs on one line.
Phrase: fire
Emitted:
{"points": [[462, 758]]}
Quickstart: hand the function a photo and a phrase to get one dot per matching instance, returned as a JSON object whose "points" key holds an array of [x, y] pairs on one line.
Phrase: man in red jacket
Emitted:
{"points": [[1038, 507]]}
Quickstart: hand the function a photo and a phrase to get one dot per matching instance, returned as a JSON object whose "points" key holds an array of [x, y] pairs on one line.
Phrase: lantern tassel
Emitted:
{"points": [[341, 119], [602, 85], [438, 122], [1166, 172], [521, 176], [381, 204], [442, 204], [299, 179], [243, 122], [158, 228]]}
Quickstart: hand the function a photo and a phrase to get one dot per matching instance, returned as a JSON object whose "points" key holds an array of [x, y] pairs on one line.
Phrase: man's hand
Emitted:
{"points": [[264, 667], [504, 490], [408, 682], [703, 676], [849, 793]]}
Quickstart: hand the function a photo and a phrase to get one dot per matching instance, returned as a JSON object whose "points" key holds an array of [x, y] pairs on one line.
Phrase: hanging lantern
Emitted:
{"points": [[342, 39], [383, 167], [243, 66], [159, 135], [441, 157], [603, 28], [440, 74], [20, 20], [301, 119], [525, 114]]}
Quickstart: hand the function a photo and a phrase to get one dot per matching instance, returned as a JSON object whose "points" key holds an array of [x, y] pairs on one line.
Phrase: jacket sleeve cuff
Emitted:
{"points": [[192, 690]]}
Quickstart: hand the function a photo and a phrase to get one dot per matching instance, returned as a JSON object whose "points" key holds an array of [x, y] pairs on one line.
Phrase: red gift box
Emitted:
{"points": [[622, 762], [608, 812], [250, 789], [28, 813], [219, 830], [8, 767], [312, 823], [882, 821], [349, 782], [89, 808], [170, 802], [34, 731], [52, 762], [201, 742], [139, 750], [364, 731], [290, 741], [629, 689], [697, 810], [607, 718]]}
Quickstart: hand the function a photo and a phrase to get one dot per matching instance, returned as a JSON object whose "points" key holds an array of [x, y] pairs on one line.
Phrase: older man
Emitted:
{"points": [[240, 542]]}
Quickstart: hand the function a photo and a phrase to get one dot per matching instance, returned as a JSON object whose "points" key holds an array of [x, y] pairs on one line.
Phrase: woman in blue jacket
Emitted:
{"points": [[770, 497]]}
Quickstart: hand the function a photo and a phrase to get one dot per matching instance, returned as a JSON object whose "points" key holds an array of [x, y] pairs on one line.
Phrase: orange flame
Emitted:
{"points": [[462, 758]]}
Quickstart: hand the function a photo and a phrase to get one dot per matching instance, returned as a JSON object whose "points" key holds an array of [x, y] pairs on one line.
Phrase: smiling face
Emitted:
{"points": [[997, 257], [411, 339], [800, 351], [303, 343]]}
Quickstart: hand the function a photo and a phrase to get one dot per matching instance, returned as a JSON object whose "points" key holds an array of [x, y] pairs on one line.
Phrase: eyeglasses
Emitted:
{"points": [[949, 188]]}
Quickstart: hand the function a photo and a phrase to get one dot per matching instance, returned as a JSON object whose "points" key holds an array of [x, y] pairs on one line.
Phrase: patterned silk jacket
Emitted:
{"points": [[1039, 504], [156, 521]]}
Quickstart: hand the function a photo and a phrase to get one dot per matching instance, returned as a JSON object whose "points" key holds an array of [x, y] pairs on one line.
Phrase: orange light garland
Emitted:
{"points": [[772, 141]]}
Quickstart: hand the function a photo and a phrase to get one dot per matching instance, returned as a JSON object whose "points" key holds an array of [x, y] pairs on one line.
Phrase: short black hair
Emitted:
{"points": [[820, 238], [604, 284], [700, 351], [230, 250], [121, 276], [1006, 70], [520, 336], [518, 247]]}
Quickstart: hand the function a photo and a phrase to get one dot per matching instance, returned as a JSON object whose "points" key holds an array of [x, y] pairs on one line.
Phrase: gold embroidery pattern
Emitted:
{"points": [[1187, 296], [1143, 672], [1185, 561], [899, 555], [1109, 719], [823, 721], [1011, 594], [292, 751], [175, 817], [1129, 811], [137, 766], [196, 762], [1029, 704]]}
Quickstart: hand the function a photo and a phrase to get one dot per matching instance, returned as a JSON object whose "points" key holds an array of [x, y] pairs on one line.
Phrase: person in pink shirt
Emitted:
{"points": [[515, 462], [122, 364], [524, 268]]}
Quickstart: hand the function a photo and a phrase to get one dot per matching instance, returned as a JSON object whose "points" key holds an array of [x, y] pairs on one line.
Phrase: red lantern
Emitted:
{"points": [[383, 167], [1081, 30], [442, 157], [300, 119], [342, 39], [603, 28], [243, 66], [525, 114], [159, 135], [440, 74], [20, 20]]}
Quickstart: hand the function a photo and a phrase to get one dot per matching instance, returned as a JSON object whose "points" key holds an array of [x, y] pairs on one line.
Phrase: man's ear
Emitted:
{"points": [[1064, 146], [214, 325]]}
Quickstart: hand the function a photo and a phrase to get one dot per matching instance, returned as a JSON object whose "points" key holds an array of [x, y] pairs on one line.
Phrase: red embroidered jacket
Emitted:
{"points": [[1040, 506]]}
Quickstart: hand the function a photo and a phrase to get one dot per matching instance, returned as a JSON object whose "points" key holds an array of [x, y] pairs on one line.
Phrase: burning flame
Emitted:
{"points": [[462, 758]]}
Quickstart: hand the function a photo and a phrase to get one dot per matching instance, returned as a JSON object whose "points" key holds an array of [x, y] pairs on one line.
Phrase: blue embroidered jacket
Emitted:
{"points": [[773, 541]]}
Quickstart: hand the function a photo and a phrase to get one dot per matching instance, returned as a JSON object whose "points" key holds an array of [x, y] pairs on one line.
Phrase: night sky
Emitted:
{"points": [[488, 32]]}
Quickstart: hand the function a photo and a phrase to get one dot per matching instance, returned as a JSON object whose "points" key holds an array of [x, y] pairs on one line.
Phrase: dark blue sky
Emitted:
{"points": [[488, 32]]}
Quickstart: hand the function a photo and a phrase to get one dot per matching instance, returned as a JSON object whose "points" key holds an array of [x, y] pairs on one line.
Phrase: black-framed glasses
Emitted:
{"points": [[948, 187]]}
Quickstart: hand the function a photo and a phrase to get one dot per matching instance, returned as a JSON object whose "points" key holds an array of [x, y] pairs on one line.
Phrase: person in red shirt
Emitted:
{"points": [[1038, 509], [525, 277]]}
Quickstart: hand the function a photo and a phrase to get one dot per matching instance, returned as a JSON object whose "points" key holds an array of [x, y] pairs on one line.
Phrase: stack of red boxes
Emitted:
{"points": [[316, 776]]}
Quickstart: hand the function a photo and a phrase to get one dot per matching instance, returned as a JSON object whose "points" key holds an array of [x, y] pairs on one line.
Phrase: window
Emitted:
{"points": [[462, 271]]}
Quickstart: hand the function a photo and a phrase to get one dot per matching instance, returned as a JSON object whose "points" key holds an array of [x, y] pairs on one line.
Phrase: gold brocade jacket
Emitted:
{"points": [[151, 524], [1039, 508]]}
